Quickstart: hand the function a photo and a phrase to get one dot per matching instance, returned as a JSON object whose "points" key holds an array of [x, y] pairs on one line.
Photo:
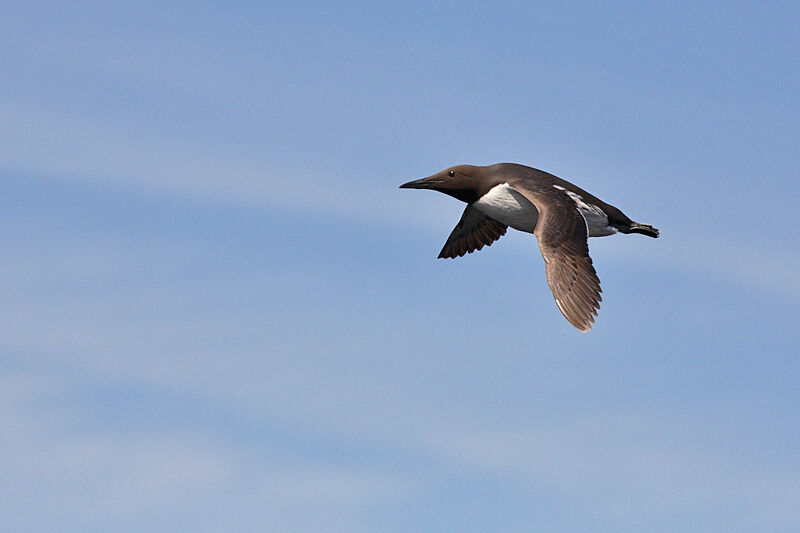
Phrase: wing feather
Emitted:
{"points": [[563, 241], [474, 231]]}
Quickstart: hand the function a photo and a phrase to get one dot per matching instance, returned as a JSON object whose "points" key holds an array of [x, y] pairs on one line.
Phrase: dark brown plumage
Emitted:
{"points": [[560, 214], [563, 241], [474, 231]]}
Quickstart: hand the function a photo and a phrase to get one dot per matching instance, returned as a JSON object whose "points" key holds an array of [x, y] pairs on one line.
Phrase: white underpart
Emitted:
{"points": [[503, 203], [596, 219]]}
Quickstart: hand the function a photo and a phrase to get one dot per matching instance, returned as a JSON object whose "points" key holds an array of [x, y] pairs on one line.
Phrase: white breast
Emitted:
{"points": [[503, 203]]}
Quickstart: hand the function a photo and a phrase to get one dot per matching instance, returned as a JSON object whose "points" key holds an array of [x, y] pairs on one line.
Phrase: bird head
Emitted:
{"points": [[461, 182]]}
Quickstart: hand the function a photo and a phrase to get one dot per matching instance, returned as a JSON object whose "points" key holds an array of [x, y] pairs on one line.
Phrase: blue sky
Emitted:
{"points": [[220, 313]]}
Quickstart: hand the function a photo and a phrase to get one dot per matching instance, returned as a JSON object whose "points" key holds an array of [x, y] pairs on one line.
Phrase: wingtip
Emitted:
{"points": [[585, 326], [449, 255]]}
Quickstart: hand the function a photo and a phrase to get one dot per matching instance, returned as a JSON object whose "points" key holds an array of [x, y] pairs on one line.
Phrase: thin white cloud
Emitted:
{"points": [[43, 143], [60, 468], [772, 270], [248, 362], [658, 467], [625, 468], [751, 266], [65, 147]]}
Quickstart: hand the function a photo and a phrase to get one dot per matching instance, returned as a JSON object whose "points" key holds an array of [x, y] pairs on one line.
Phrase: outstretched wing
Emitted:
{"points": [[563, 234], [474, 231]]}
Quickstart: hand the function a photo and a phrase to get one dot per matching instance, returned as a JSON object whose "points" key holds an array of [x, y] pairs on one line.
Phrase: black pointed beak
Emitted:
{"points": [[424, 183]]}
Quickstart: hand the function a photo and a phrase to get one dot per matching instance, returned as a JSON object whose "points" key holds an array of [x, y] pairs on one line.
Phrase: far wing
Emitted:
{"points": [[474, 231]]}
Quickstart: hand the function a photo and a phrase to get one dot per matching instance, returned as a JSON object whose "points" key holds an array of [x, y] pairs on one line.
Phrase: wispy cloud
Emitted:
{"points": [[757, 267], [61, 468], [660, 467], [627, 469], [61, 147], [68, 147], [188, 338]]}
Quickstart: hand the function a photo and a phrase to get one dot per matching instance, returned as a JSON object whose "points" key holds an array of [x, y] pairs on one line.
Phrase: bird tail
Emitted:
{"points": [[644, 229]]}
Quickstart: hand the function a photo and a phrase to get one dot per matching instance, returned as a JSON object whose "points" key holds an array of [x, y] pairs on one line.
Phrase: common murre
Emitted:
{"points": [[561, 215]]}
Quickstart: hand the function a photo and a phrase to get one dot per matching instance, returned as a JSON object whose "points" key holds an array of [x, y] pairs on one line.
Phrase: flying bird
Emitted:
{"points": [[561, 215]]}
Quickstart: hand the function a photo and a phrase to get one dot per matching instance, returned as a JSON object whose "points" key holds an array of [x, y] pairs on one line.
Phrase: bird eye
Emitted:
{"points": [[451, 173]]}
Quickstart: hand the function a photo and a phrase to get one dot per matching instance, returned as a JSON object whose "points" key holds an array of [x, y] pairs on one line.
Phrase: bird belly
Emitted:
{"points": [[504, 204]]}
